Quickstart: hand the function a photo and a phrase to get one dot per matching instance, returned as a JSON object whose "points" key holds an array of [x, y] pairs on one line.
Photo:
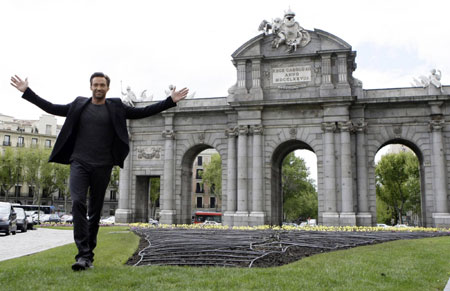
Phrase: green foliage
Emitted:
{"points": [[11, 170], [398, 185], [299, 194], [155, 193], [115, 175], [420, 264], [212, 175]]}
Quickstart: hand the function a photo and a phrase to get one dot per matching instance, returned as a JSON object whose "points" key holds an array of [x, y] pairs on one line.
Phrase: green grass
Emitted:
{"points": [[422, 264]]}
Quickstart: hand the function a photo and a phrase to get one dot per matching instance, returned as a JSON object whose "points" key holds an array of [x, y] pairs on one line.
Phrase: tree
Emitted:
{"points": [[37, 171], [11, 170], [61, 173], [155, 186], [299, 194], [212, 175], [398, 184]]}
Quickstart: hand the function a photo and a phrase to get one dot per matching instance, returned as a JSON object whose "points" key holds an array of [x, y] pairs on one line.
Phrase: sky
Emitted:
{"points": [[149, 45]]}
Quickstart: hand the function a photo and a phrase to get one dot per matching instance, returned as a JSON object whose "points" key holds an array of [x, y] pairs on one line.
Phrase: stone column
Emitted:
{"points": [[347, 216], [330, 216], [441, 216], [123, 213], [364, 217], [256, 89], [326, 71], [241, 217], [231, 176], [342, 69], [241, 77], [257, 214], [168, 212]]}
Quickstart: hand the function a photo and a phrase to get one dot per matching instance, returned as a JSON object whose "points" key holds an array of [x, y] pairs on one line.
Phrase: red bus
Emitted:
{"points": [[201, 217]]}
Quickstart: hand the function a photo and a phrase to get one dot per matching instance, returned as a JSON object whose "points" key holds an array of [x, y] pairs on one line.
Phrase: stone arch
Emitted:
{"points": [[278, 155]]}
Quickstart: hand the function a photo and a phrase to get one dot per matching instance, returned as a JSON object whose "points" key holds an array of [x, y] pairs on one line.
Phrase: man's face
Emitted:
{"points": [[99, 87]]}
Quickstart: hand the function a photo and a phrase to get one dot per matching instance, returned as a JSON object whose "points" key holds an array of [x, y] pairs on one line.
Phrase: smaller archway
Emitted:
{"points": [[287, 152], [400, 184]]}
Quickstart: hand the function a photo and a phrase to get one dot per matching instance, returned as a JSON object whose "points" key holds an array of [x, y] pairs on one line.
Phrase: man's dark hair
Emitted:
{"points": [[100, 74]]}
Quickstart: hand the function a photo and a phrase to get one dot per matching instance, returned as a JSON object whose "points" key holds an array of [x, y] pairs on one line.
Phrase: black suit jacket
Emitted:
{"points": [[118, 112]]}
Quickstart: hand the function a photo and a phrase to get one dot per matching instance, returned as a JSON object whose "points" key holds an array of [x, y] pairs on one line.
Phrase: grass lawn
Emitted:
{"points": [[422, 264]]}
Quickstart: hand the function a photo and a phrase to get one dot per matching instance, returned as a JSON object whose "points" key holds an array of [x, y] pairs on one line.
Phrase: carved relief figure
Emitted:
{"points": [[287, 31], [434, 79]]}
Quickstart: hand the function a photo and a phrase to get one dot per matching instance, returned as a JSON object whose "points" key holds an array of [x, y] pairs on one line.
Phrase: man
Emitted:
{"points": [[93, 139]]}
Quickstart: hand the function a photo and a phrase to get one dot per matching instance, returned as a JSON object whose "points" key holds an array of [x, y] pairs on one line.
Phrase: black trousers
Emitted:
{"points": [[84, 177]]}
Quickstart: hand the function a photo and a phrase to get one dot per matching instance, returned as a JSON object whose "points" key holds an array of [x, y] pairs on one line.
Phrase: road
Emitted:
{"points": [[32, 241]]}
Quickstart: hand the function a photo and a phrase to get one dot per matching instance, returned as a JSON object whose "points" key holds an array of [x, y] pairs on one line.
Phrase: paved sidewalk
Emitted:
{"points": [[32, 241]]}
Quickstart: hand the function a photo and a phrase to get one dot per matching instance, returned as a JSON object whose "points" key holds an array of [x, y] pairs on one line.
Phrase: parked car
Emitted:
{"points": [[211, 222], [22, 222], [30, 219], [401, 226], [37, 216], [50, 218], [67, 218], [7, 218], [109, 220], [382, 225]]}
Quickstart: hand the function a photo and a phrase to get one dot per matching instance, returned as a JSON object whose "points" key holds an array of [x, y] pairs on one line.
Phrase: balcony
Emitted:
{"points": [[6, 143]]}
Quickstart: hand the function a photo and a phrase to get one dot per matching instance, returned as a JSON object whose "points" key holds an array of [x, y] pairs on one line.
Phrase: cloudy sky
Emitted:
{"points": [[57, 44], [148, 45]]}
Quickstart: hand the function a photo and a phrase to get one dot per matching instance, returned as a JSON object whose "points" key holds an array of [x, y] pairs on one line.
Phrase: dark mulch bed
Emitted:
{"points": [[251, 248]]}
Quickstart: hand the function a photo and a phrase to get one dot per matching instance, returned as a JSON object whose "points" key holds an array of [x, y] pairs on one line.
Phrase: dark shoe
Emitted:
{"points": [[82, 264]]}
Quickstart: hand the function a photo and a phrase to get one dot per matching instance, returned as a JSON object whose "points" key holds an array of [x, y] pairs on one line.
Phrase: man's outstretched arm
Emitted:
{"points": [[29, 95]]}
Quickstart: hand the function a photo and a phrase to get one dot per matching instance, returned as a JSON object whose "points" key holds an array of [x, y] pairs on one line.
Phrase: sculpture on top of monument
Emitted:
{"points": [[129, 97], [434, 79], [287, 31]]}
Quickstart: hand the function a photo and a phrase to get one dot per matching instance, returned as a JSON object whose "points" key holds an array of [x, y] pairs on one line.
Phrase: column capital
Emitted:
{"points": [[168, 134], [436, 125], [257, 129], [345, 125], [360, 127], [231, 132], [243, 129], [328, 126]]}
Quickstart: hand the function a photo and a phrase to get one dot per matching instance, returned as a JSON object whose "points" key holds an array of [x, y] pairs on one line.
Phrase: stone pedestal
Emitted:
{"points": [[441, 220], [241, 218], [228, 218], [123, 215], [364, 219], [330, 218], [167, 217], [347, 219], [256, 218]]}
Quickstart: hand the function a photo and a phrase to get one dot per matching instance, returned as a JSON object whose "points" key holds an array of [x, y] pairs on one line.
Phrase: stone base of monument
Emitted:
{"points": [[330, 218], [228, 218], [364, 219], [167, 217], [347, 219], [256, 218], [441, 220], [241, 218], [123, 215]]}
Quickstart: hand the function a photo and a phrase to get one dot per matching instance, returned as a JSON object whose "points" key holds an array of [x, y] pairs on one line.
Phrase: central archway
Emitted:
{"points": [[276, 176]]}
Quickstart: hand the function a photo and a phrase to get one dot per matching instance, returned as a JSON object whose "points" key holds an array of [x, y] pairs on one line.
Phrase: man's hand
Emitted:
{"points": [[179, 95], [19, 84]]}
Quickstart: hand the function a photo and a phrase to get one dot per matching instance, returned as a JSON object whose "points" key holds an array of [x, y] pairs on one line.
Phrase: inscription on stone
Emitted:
{"points": [[296, 74], [148, 153]]}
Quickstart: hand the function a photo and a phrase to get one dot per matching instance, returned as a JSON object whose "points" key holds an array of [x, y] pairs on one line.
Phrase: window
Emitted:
{"points": [[34, 142], [199, 202], [60, 194], [48, 129], [212, 202], [198, 174], [7, 140], [199, 188], [112, 195], [48, 143], [20, 141], [199, 160]]}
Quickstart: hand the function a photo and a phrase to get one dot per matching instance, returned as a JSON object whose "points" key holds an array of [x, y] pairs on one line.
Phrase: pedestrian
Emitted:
{"points": [[93, 139]]}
